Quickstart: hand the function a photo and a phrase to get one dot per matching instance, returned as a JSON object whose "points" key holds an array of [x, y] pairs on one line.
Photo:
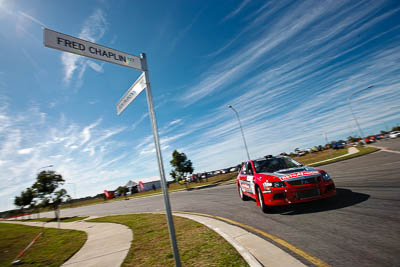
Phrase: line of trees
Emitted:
{"points": [[43, 193]]}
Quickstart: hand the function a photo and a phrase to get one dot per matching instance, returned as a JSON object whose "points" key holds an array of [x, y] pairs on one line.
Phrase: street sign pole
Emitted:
{"points": [[70, 44], [152, 116]]}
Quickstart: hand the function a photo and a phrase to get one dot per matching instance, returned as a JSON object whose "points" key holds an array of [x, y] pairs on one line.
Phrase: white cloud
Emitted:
{"points": [[180, 35], [174, 122], [85, 134], [93, 29], [25, 151], [95, 66], [232, 68], [28, 144], [291, 82], [70, 62], [31, 18], [242, 5]]}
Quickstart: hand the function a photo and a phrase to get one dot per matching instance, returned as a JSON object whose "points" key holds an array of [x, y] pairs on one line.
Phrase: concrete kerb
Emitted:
{"points": [[254, 249], [109, 243]]}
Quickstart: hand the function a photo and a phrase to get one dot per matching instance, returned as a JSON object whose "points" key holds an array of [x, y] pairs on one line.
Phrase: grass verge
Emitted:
{"points": [[53, 248], [198, 245], [65, 219], [363, 150], [320, 156]]}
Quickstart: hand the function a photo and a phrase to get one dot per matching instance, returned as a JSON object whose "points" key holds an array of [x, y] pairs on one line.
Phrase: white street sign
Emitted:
{"points": [[132, 93], [81, 47]]}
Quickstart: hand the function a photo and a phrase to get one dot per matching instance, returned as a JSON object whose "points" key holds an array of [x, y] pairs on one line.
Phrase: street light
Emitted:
{"points": [[354, 116], [241, 129]]}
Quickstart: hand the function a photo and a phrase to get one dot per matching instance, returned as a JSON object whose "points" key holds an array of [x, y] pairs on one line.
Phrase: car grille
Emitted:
{"points": [[312, 180], [308, 193]]}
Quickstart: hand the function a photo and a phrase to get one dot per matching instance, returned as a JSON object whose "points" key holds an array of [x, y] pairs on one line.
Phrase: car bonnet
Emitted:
{"points": [[295, 173]]}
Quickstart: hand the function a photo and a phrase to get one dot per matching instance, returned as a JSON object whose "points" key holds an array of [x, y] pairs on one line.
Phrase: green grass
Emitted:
{"points": [[363, 150], [53, 248], [65, 219], [320, 156], [151, 246]]}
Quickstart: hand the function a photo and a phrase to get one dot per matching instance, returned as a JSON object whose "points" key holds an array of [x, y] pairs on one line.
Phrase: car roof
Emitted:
{"points": [[269, 157]]}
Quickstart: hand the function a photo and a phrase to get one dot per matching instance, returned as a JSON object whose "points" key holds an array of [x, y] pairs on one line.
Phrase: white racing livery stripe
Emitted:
{"points": [[298, 174]]}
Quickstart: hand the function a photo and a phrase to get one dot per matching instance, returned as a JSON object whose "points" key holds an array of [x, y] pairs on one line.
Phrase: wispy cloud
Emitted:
{"points": [[250, 56], [291, 81], [174, 122], [28, 143], [184, 31], [96, 67], [93, 29], [31, 18], [242, 5]]}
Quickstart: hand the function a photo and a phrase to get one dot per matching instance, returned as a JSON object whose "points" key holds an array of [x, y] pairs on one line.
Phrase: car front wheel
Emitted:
{"points": [[242, 195], [263, 207]]}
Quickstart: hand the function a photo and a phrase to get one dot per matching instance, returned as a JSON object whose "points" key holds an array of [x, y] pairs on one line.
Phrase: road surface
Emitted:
{"points": [[358, 227]]}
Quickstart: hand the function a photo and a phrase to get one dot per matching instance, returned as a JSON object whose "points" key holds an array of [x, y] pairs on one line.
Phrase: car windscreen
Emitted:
{"points": [[275, 164]]}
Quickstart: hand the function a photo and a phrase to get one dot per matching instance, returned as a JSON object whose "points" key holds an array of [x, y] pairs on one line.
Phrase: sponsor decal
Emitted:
{"points": [[298, 174], [246, 186]]}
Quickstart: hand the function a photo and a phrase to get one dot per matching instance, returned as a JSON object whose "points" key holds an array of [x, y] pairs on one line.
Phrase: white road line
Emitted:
{"points": [[391, 151]]}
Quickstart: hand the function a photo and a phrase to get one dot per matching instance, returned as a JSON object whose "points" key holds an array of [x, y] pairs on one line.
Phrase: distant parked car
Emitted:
{"points": [[338, 145], [394, 134], [233, 169], [301, 153], [383, 136]]}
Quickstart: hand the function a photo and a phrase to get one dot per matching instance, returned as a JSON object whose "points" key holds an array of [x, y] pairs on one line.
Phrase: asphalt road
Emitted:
{"points": [[358, 227]]}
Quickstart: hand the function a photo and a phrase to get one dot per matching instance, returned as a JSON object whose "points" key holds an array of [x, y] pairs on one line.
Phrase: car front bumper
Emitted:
{"points": [[298, 194]]}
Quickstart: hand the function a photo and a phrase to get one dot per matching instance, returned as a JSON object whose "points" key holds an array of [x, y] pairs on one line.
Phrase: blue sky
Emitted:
{"points": [[286, 66]]}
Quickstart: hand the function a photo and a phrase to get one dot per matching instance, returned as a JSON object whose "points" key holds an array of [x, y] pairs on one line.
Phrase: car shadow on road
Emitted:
{"points": [[344, 198]]}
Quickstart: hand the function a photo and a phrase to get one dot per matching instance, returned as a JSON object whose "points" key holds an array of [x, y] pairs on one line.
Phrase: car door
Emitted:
{"points": [[244, 182], [250, 178]]}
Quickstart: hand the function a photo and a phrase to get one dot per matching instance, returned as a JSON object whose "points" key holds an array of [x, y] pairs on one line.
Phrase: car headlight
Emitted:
{"points": [[274, 184], [326, 177]]}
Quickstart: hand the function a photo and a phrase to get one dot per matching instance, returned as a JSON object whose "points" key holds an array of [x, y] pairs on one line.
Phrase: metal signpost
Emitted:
{"points": [[67, 43]]}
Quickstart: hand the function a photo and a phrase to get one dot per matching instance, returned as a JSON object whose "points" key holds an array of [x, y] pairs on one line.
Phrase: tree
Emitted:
{"points": [[353, 139], [181, 165], [18, 202], [25, 199], [46, 184], [122, 190]]}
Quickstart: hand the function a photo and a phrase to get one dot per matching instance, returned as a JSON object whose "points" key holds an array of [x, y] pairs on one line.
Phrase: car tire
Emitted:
{"points": [[263, 207], [241, 194]]}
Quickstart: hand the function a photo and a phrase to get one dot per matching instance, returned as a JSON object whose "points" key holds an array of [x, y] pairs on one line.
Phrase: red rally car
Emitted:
{"points": [[280, 180]]}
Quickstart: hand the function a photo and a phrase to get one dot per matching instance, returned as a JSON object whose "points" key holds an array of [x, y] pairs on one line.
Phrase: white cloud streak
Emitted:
{"points": [[31, 18], [93, 29], [83, 154], [242, 5], [296, 74]]}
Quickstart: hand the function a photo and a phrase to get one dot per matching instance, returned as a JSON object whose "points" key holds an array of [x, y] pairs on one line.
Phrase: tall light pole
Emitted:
{"points": [[352, 112], [241, 129]]}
